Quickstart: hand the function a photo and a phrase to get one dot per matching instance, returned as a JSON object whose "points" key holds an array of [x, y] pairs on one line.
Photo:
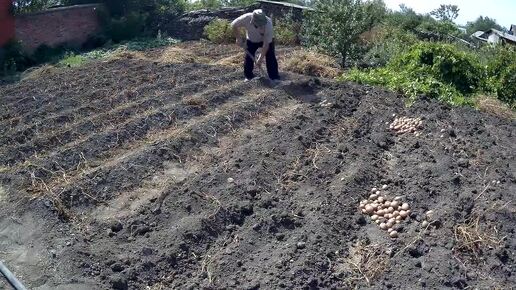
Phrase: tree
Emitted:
{"points": [[482, 24], [27, 6], [446, 12], [336, 25]]}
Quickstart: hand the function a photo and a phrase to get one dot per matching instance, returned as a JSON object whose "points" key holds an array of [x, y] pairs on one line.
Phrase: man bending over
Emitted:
{"points": [[259, 33]]}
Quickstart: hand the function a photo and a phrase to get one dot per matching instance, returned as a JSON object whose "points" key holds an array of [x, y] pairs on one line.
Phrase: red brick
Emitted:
{"points": [[6, 22], [67, 25]]}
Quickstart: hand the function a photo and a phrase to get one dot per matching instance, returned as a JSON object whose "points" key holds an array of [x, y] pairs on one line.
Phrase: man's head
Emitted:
{"points": [[259, 19]]}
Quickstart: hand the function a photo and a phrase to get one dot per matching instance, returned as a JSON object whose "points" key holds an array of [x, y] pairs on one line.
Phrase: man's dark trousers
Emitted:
{"points": [[270, 58]]}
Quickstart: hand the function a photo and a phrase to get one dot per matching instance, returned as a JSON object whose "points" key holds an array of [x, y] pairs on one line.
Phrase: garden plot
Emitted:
{"points": [[141, 173]]}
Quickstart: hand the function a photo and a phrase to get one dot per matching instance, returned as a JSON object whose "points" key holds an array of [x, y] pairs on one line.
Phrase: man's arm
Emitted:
{"points": [[236, 27], [267, 39]]}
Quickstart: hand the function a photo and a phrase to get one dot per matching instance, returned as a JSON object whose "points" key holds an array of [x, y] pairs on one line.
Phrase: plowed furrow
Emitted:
{"points": [[94, 149], [56, 113], [17, 153], [127, 170], [42, 94]]}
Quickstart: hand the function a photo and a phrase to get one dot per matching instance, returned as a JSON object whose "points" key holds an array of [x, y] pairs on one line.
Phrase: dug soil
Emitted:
{"points": [[148, 172]]}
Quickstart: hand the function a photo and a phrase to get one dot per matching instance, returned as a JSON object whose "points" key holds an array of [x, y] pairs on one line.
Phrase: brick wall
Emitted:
{"points": [[6, 22], [65, 25]]}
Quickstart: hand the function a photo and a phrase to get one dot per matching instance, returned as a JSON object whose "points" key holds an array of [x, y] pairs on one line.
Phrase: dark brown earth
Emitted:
{"points": [[133, 173]]}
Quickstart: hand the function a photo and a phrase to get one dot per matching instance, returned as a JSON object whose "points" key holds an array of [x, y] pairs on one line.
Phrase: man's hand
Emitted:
{"points": [[240, 42]]}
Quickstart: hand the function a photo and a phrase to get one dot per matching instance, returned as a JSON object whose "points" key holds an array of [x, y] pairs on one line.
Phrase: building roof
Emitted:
{"points": [[513, 29], [484, 35], [286, 4], [502, 34]]}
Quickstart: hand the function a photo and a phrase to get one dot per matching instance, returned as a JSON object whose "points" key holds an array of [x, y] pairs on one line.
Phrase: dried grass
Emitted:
{"points": [[365, 263], [311, 63], [473, 238], [494, 107], [38, 72], [234, 60], [179, 55], [128, 54]]}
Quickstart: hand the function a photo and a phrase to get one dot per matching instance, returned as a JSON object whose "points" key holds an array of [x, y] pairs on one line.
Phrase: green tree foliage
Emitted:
{"points": [[501, 73], [27, 6], [287, 31], [446, 12], [205, 4], [482, 24], [408, 20], [337, 24]]}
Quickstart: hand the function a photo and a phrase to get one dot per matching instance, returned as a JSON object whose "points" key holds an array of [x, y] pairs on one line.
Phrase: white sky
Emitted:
{"points": [[504, 11]]}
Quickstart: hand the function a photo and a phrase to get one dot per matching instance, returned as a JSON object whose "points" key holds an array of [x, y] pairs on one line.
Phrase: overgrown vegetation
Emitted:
{"points": [[412, 53], [219, 31], [337, 24], [446, 72], [287, 31]]}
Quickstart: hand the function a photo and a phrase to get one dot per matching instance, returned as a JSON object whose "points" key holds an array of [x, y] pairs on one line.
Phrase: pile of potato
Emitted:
{"points": [[406, 125], [385, 212]]}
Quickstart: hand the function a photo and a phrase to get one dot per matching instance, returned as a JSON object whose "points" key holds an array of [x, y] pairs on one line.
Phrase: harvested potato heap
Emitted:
{"points": [[385, 212], [406, 125]]}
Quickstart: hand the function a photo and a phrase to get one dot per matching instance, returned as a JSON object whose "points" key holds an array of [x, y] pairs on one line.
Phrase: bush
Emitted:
{"points": [[12, 58], [287, 31], [45, 53], [445, 62], [440, 71], [383, 43], [126, 27], [219, 31], [506, 88], [336, 26], [500, 63]]}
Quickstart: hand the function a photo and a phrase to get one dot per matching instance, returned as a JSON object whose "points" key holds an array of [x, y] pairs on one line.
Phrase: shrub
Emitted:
{"points": [[12, 58], [45, 53], [126, 27], [384, 43], [440, 71], [445, 62], [219, 31], [287, 31], [499, 78], [506, 86]]}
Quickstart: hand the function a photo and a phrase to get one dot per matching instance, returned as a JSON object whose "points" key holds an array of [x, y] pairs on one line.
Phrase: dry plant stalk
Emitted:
{"points": [[495, 107], [311, 63], [473, 238], [366, 263]]}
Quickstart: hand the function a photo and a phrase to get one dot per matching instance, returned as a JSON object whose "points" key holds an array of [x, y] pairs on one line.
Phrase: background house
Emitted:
{"points": [[495, 36], [512, 30]]}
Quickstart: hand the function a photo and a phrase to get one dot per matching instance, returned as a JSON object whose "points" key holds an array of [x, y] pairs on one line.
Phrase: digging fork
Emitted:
{"points": [[262, 72]]}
